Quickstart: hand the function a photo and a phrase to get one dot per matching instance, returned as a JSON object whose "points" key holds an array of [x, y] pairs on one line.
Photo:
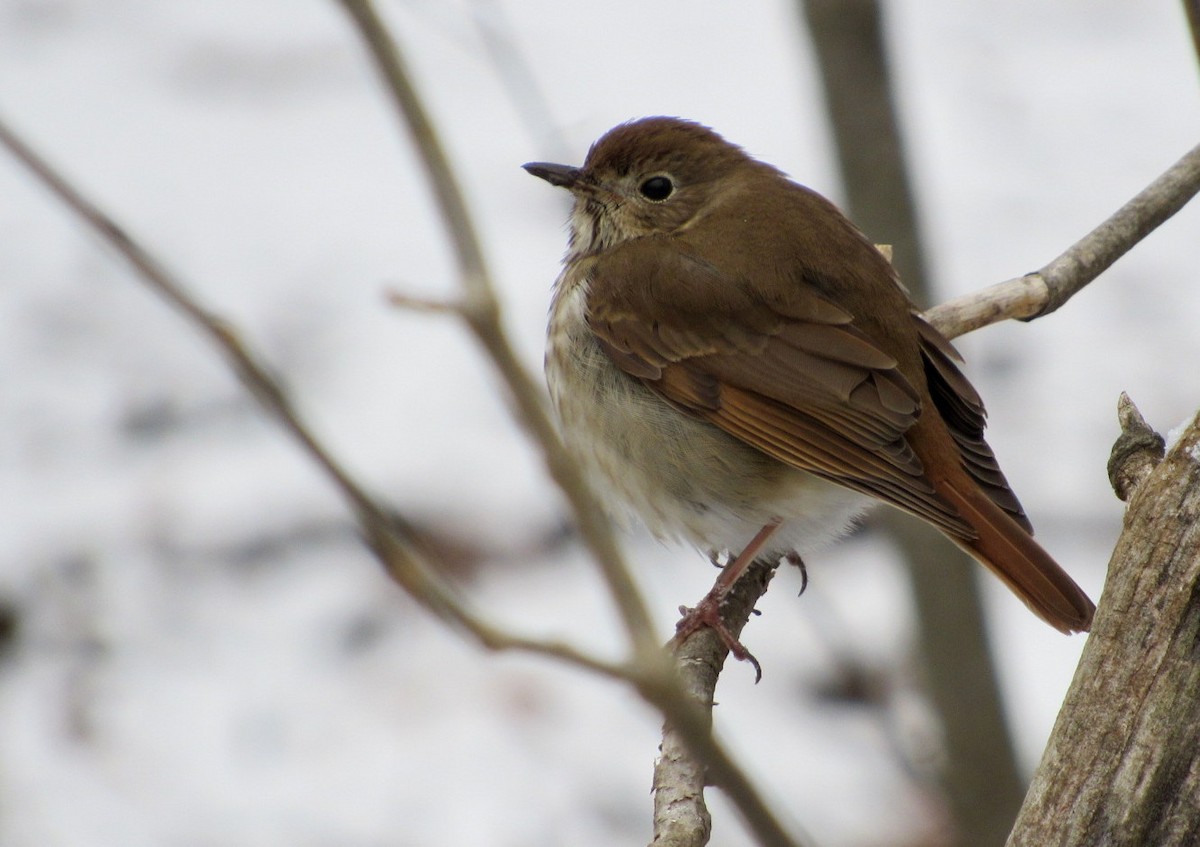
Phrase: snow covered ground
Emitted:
{"points": [[205, 656]]}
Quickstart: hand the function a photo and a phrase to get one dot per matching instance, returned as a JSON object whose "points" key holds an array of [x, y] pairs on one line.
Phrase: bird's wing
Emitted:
{"points": [[962, 410], [790, 375]]}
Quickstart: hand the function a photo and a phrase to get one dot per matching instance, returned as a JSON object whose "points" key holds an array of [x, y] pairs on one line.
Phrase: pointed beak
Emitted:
{"points": [[564, 176]]}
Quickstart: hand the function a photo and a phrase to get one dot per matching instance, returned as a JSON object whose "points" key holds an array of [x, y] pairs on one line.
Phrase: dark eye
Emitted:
{"points": [[656, 188]]}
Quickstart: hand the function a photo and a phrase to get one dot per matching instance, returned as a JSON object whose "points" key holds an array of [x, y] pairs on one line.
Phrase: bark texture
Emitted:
{"points": [[1123, 763]]}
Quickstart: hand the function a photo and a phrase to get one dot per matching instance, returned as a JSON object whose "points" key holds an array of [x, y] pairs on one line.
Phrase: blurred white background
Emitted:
{"points": [[204, 655]]}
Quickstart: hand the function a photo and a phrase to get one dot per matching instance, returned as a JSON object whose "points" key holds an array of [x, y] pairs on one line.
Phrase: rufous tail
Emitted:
{"points": [[1012, 554]]}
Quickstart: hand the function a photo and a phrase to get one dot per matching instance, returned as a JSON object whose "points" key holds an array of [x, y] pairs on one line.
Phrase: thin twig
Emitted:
{"points": [[415, 303], [482, 314], [1040, 293]]}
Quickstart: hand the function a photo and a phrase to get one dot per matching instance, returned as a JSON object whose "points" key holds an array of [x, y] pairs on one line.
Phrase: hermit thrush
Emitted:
{"points": [[735, 361]]}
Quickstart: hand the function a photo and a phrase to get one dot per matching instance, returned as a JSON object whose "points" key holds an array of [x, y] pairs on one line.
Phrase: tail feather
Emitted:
{"points": [[1012, 554]]}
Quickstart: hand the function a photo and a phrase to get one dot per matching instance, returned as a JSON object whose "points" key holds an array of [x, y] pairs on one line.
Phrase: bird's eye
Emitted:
{"points": [[656, 188]]}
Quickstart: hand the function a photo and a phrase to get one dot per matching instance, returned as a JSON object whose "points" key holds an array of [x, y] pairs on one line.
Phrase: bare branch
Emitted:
{"points": [[254, 376], [414, 303], [482, 314], [1040, 293], [688, 738], [681, 817]]}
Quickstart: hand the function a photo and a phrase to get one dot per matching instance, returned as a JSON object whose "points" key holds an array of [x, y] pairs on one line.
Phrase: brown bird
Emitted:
{"points": [[731, 358]]}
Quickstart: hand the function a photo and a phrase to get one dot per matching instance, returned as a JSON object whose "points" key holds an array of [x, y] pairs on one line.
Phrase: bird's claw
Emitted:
{"points": [[708, 614]]}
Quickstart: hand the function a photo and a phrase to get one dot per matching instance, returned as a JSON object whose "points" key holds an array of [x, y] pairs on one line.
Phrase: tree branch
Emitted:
{"points": [[481, 312], [1040, 293], [681, 817]]}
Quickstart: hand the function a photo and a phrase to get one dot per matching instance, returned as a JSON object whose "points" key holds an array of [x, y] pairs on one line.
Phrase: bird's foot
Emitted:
{"points": [[707, 613]]}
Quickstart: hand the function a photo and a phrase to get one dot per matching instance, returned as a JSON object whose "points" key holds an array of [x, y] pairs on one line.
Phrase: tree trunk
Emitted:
{"points": [[1123, 763]]}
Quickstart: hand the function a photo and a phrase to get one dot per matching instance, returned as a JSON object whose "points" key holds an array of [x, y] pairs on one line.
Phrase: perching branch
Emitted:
{"points": [[681, 817], [1040, 293]]}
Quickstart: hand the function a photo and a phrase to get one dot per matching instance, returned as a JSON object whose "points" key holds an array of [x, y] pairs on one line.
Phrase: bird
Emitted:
{"points": [[735, 363]]}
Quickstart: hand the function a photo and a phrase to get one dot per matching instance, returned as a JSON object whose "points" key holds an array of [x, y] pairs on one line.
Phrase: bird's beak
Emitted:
{"points": [[564, 176]]}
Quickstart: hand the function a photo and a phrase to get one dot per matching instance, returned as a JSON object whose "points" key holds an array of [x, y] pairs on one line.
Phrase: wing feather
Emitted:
{"points": [[962, 410], [796, 378]]}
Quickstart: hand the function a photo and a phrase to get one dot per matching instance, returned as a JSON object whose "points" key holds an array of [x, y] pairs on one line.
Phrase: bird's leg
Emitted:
{"points": [[708, 611]]}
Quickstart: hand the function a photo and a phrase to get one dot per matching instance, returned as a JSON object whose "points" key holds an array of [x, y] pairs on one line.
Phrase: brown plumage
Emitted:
{"points": [[721, 335]]}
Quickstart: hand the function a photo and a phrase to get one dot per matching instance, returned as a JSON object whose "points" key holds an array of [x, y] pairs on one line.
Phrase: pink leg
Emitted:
{"points": [[733, 571], [708, 611]]}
